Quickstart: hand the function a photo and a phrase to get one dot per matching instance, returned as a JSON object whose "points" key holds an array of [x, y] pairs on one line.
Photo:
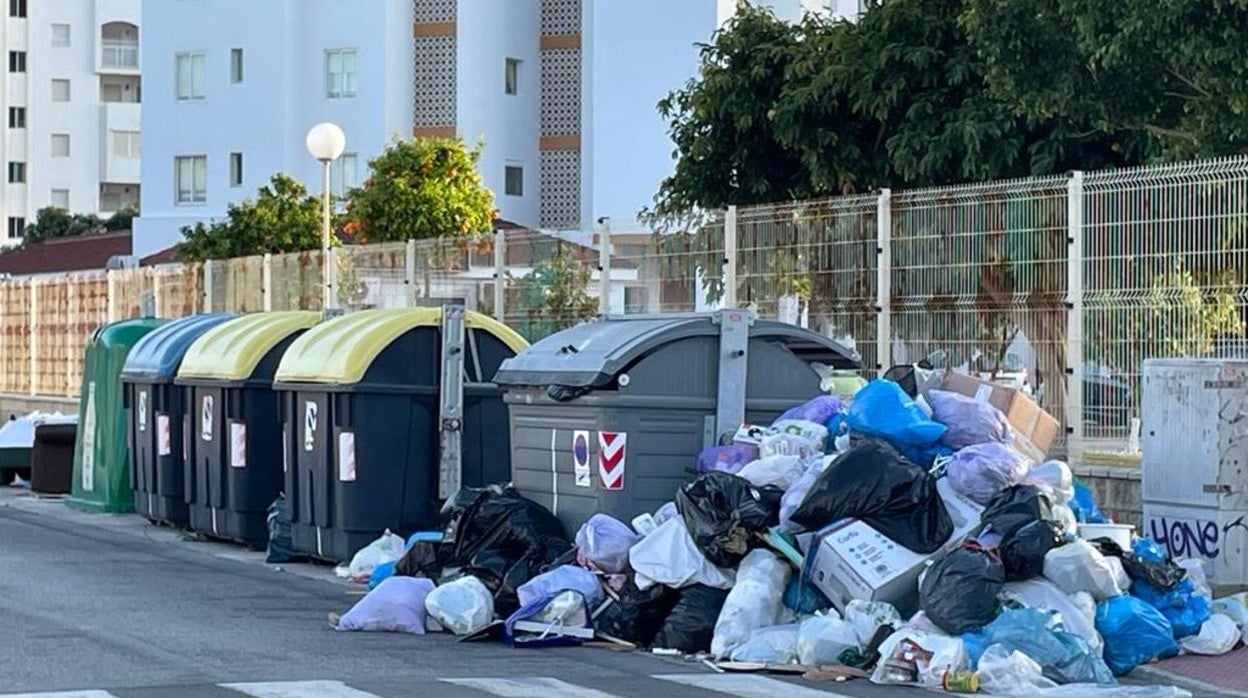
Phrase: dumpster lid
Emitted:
{"points": [[232, 350], [339, 351], [157, 355], [124, 333], [591, 354]]}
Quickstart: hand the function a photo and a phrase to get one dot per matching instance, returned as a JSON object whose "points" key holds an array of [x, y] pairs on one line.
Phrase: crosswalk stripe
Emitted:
{"points": [[62, 694], [746, 686], [298, 689], [535, 687]]}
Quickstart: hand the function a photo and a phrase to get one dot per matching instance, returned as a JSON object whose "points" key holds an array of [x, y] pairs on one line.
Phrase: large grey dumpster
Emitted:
{"points": [[609, 416]]}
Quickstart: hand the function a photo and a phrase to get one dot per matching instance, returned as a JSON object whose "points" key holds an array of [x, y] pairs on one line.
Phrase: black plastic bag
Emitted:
{"points": [[691, 624], [1023, 553], [281, 547], [1014, 508], [959, 593], [873, 482], [1164, 575], [501, 538], [638, 615], [723, 512], [423, 559], [914, 379]]}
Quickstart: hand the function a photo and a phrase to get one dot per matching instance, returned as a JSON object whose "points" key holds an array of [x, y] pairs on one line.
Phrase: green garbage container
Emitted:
{"points": [[387, 412], [101, 479], [234, 445]]}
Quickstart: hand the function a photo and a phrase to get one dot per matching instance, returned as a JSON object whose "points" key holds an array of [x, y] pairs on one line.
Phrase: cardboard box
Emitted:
{"points": [[854, 561], [964, 512], [1034, 429]]}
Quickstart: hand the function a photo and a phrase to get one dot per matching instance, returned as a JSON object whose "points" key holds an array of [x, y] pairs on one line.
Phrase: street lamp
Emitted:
{"points": [[326, 142]]}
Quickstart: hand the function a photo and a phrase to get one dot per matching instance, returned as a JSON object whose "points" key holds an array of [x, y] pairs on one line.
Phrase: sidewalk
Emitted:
{"points": [[1226, 675]]}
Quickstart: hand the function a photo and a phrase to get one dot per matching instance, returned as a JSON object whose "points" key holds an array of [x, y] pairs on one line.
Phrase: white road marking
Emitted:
{"points": [[746, 686], [62, 694], [298, 689], [535, 687]]}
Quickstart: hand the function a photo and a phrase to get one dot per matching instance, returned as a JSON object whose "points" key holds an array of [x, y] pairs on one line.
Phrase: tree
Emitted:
{"points": [[282, 218], [53, 222], [123, 219], [554, 293], [421, 188]]}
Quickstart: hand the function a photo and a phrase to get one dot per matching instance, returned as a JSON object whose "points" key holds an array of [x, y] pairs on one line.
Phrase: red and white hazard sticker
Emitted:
{"points": [[346, 456], [612, 451], [238, 445]]}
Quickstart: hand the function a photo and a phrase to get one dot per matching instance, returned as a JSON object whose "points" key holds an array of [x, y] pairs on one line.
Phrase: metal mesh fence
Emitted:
{"points": [[551, 282]]}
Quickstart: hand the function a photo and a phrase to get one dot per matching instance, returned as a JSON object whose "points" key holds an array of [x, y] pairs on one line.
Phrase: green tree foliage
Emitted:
{"points": [[282, 218], [553, 294], [55, 222], [123, 219], [421, 188]]}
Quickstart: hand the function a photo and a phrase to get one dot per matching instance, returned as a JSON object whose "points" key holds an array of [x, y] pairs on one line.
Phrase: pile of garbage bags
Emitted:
{"points": [[897, 533]]}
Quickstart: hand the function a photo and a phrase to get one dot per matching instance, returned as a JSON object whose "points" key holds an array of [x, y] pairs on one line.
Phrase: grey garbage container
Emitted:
{"points": [[609, 416]]}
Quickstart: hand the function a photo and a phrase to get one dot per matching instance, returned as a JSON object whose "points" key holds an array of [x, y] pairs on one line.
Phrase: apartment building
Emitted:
{"points": [[562, 93], [71, 97]]}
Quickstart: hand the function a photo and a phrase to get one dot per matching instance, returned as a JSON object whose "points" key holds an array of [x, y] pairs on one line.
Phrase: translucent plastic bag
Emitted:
{"points": [[1043, 595], [729, 459], [463, 606], [754, 602], [605, 541], [774, 645], [822, 639], [794, 495], [387, 548], [1063, 656], [1003, 672], [774, 471], [1234, 607], [1055, 477], [818, 409], [868, 616], [1135, 633], [1218, 635], [669, 557], [799, 447], [982, 471], [397, 605], [1078, 566], [814, 434], [967, 421], [562, 578]]}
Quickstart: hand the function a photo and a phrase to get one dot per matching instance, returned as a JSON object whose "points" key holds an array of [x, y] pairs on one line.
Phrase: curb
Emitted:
{"points": [[1159, 675]]}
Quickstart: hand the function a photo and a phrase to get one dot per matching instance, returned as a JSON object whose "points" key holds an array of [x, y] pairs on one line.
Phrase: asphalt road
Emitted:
{"points": [[101, 606]]}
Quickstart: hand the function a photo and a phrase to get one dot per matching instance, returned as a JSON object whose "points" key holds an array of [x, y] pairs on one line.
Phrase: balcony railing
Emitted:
{"points": [[119, 53]]}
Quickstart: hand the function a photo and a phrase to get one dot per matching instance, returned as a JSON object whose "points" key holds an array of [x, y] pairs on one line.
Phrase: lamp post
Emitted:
{"points": [[326, 142]]}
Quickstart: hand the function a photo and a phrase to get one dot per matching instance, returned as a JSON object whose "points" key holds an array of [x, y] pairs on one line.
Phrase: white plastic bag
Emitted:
{"points": [[604, 541], [779, 471], [463, 606], [868, 616], [1005, 673], [562, 578], [387, 548], [1234, 607], [792, 498], [397, 605], [799, 447], [665, 512], [1077, 614], [755, 601], [1063, 515], [1055, 477], [951, 657], [1121, 579], [822, 639], [669, 557], [1078, 566], [1218, 635], [774, 645], [1195, 569], [936, 643], [815, 434]]}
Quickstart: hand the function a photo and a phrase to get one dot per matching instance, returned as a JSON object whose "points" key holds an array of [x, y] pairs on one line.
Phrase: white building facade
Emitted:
{"points": [[71, 95]]}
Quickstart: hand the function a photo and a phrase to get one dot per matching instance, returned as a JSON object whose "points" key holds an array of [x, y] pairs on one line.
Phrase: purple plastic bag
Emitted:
{"points": [[728, 459], [982, 471], [969, 422], [818, 410]]}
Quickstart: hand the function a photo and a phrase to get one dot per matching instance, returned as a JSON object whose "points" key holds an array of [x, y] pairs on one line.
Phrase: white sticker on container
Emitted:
{"points": [[164, 435], [346, 457], [983, 392], [285, 450], [88, 441], [205, 419], [142, 410], [238, 445], [309, 425]]}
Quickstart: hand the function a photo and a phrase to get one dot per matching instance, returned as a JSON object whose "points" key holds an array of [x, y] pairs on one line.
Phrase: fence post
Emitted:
{"points": [[72, 300], [111, 275], [604, 267], [209, 270], [884, 280], [1074, 318], [500, 275], [155, 291], [34, 337], [730, 258], [409, 272], [266, 281], [331, 280]]}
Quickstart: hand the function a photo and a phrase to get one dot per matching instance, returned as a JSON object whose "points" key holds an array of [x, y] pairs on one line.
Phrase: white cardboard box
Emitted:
{"points": [[964, 512], [854, 561]]}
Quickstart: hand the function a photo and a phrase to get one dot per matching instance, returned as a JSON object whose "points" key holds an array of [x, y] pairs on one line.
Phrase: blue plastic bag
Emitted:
{"points": [[803, 597], [1185, 610], [1147, 549], [563, 609], [1134, 632], [883, 409], [1065, 657], [381, 573], [1084, 506], [818, 410]]}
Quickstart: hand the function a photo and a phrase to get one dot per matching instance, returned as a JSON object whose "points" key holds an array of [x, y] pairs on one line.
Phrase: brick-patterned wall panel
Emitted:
{"points": [[561, 92], [435, 10], [560, 17], [560, 199], [435, 81]]}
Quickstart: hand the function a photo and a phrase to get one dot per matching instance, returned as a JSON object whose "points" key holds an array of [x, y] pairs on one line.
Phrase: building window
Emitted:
{"points": [[17, 227], [511, 76], [191, 179], [236, 169], [340, 73], [60, 90], [344, 174], [17, 61], [17, 117], [60, 35], [126, 144], [60, 145], [190, 75], [60, 198], [17, 8], [513, 180], [236, 65], [17, 172]]}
